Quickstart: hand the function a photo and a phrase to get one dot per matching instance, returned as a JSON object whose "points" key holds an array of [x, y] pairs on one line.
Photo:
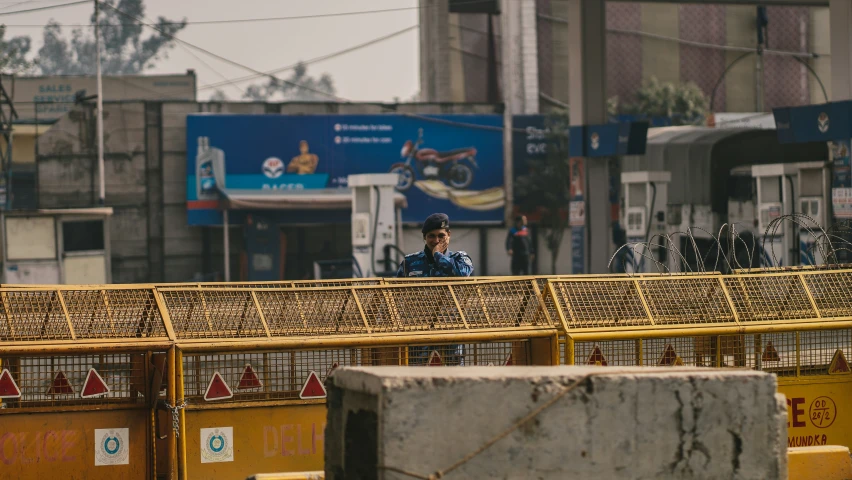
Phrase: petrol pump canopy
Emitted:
{"points": [[695, 154], [319, 199]]}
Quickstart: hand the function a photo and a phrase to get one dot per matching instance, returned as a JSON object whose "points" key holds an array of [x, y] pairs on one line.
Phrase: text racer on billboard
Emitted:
{"points": [[436, 259]]}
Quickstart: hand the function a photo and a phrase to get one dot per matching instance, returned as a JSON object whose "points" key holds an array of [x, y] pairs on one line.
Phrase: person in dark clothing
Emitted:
{"points": [[519, 246], [436, 260]]}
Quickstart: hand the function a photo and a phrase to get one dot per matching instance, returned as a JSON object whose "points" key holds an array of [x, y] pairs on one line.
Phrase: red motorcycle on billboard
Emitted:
{"points": [[455, 167]]}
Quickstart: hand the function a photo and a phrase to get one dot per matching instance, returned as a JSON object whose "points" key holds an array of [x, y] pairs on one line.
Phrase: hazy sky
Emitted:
{"points": [[379, 72]]}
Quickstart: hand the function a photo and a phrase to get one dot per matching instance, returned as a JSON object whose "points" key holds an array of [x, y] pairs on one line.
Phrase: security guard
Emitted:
{"points": [[436, 260]]}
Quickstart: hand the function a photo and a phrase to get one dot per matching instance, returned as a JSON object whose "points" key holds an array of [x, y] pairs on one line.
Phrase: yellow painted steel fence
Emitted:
{"points": [[198, 380]]}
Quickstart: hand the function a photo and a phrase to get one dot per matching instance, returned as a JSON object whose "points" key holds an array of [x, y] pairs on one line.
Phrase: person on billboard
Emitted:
{"points": [[305, 163], [436, 260], [520, 247]]}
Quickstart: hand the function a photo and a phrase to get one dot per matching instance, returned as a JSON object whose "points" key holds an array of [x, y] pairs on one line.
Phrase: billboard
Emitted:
{"points": [[446, 163], [48, 98]]}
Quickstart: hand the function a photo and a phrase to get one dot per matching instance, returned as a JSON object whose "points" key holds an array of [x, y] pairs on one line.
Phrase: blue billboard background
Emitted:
{"points": [[265, 152]]}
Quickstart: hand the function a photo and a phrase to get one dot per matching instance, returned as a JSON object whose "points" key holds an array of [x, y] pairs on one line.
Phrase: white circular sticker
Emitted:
{"points": [[112, 446], [217, 444]]}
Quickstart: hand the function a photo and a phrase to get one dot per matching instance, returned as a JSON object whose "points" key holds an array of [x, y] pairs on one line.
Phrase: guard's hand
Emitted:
{"points": [[442, 246], [510, 252]]}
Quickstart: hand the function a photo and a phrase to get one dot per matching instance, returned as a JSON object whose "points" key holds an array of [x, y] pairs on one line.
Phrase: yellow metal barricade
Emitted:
{"points": [[252, 362], [797, 325], [77, 371]]}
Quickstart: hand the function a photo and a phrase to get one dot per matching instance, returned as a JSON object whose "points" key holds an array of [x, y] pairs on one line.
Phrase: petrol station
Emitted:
{"points": [[200, 380]]}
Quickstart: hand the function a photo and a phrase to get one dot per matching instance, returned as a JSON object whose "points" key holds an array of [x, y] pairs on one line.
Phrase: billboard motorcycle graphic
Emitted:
{"points": [[455, 165]]}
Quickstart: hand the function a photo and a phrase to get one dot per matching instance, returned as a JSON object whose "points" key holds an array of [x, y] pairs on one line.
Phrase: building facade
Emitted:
{"points": [[150, 237], [714, 46]]}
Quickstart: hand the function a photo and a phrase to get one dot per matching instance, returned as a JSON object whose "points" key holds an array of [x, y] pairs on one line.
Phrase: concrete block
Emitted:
{"points": [[612, 423]]}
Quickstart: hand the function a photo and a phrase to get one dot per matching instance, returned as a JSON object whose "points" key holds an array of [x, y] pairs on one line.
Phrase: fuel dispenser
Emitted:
{"points": [[645, 200], [784, 189], [814, 191], [374, 223]]}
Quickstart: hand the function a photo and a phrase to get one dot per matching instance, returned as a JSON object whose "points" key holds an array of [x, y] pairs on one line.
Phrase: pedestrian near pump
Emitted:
{"points": [[436, 260], [519, 246]]}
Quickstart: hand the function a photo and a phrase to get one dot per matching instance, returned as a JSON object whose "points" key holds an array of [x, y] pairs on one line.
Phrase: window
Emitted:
{"points": [[83, 236]]}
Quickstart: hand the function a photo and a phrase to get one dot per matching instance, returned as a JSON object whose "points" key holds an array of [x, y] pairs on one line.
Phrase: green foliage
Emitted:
{"points": [[124, 49], [13, 53], [218, 96], [684, 103], [546, 188], [298, 86]]}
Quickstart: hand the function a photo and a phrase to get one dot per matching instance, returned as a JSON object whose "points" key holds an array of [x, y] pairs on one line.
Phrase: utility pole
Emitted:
{"points": [[100, 113], [762, 40]]}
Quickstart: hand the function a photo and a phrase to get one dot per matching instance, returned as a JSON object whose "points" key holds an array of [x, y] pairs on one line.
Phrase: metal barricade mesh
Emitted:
{"points": [[591, 303], [610, 353], [213, 313], [342, 282], [280, 375], [777, 352], [832, 293], [58, 381], [310, 312], [817, 349], [769, 297], [503, 304], [785, 354], [686, 300], [413, 308], [29, 315], [124, 313]]}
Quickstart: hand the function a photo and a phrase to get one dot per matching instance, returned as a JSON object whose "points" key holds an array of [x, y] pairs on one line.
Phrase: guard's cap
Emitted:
{"points": [[436, 221]]}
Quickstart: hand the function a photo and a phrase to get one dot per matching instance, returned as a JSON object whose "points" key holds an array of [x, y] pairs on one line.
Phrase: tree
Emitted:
{"points": [[13, 53], [298, 86], [123, 49], [218, 96], [546, 188], [684, 103]]}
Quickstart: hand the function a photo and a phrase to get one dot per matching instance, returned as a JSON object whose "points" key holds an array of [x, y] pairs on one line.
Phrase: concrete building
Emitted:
{"points": [[462, 52]]}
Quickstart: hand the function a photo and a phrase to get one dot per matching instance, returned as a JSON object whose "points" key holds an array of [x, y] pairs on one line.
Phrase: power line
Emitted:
{"points": [[15, 4], [220, 57], [48, 7], [311, 89], [261, 19], [692, 43], [312, 60]]}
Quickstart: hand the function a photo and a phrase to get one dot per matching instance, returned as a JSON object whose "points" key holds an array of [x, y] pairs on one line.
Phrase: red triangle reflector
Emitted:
{"points": [[596, 358], [669, 357], [8, 387], [217, 389], [839, 365], [94, 386], [60, 385], [249, 379], [509, 360], [435, 359], [770, 354], [312, 388]]}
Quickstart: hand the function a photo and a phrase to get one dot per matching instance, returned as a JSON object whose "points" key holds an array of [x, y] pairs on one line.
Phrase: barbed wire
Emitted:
{"points": [[733, 249]]}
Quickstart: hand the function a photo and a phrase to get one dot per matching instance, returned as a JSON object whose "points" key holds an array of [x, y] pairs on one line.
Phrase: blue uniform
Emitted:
{"points": [[422, 264]]}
